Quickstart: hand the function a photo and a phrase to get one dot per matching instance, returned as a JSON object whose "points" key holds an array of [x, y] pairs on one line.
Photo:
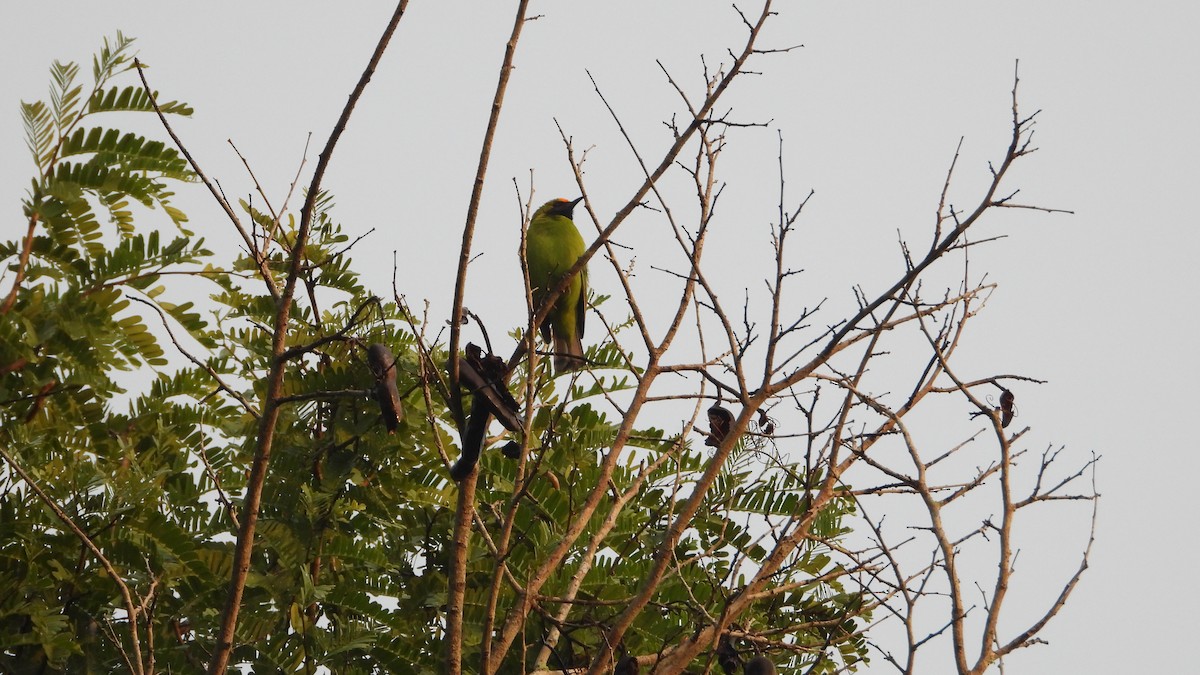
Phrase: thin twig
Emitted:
{"points": [[260, 261]]}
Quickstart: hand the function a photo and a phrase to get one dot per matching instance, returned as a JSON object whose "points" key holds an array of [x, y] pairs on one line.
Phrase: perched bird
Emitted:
{"points": [[760, 665], [383, 366], [552, 246]]}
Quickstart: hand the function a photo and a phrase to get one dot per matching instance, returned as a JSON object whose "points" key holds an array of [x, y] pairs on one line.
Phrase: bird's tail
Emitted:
{"points": [[568, 354]]}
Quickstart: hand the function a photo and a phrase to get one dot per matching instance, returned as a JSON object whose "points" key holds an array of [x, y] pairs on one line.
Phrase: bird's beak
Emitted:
{"points": [[568, 208]]}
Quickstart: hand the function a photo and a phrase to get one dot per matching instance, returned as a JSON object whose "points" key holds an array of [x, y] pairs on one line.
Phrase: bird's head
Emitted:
{"points": [[558, 207]]}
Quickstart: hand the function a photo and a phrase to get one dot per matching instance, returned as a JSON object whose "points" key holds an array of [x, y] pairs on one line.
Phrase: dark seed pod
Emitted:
{"points": [[720, 421], [760, 665], [383, 366], [627, 666], [766, 425], [727, 657], [1007, 409]]}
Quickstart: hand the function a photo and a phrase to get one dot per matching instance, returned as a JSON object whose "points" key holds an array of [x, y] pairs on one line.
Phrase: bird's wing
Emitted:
{"points": [[581, 306]]}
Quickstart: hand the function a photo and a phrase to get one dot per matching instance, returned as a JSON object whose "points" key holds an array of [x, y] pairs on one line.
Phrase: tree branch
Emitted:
{"points": [[271, 406]]}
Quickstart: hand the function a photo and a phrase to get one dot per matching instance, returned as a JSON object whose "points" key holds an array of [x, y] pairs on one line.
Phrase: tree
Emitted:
{"points": [[703, 492]]}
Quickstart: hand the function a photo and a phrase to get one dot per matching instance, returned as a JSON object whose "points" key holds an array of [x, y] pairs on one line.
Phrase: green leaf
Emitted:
{"points": [[133, 98]]}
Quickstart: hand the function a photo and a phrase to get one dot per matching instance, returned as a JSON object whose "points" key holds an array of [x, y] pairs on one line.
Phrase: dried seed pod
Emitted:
{"points": [[485, 376], [627, 666], [383, 366], [766, 425], [1007, 408], [760, 665], [511, 450], [472, 439], [720, 421], [728, 657]]}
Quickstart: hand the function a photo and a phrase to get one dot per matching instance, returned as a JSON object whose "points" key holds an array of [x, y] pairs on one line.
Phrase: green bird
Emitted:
{"points": [[552, 245]]}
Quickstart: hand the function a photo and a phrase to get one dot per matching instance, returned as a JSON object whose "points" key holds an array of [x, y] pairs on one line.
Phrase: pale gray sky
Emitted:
{"points": [[871, 110]]}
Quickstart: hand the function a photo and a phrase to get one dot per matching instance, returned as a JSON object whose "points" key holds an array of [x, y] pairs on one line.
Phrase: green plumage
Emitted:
{"points": [[552, 246]]}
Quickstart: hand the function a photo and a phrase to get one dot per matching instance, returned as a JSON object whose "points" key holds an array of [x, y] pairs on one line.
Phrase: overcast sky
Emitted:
{"points": [[871, 109]]}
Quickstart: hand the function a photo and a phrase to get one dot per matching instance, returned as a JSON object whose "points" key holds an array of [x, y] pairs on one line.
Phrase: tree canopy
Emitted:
{"points": [[197, 473]]}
